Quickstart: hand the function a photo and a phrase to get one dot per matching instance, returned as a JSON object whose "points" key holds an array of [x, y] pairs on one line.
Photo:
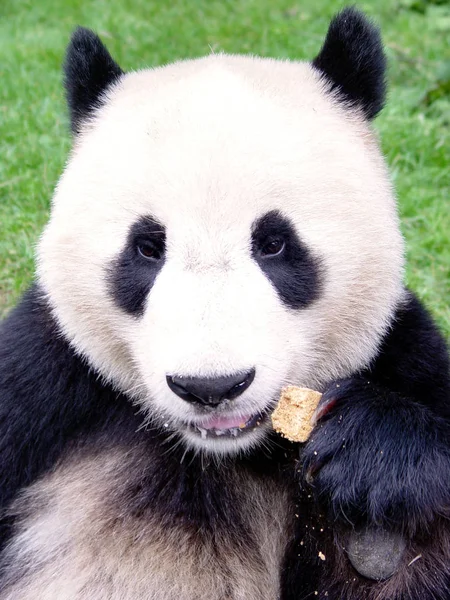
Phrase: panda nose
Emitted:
{"points": [[208, 391]]}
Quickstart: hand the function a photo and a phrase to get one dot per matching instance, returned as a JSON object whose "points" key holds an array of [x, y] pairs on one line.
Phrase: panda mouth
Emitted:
{"points": [[227, 426]]}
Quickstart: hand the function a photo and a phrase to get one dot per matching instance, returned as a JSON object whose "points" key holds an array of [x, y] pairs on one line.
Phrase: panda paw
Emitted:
{"points": [[375, 553], [378, 459]]}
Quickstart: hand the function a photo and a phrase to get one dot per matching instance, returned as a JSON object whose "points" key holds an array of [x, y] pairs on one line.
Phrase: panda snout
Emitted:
{"points": [[210, 391]]}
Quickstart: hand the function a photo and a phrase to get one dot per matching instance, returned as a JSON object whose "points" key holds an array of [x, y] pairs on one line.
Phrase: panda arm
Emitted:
{"points": [[389, 426], [413, 360], [48, 397], [379, 458]]}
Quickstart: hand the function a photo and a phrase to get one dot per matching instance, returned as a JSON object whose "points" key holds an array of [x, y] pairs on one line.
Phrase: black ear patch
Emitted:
{"points": [[89, 70], [353, 61]]}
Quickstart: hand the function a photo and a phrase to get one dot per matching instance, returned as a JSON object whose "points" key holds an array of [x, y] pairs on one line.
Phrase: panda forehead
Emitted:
{"points": [[213, 144], [222, 107], [219, 86]]}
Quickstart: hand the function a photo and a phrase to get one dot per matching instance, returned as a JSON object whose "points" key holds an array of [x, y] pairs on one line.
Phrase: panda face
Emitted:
{"points": [[224, 227], [218, 301]]}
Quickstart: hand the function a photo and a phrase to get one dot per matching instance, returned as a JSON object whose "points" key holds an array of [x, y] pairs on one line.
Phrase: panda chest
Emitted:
{"points": [[93, 530]]}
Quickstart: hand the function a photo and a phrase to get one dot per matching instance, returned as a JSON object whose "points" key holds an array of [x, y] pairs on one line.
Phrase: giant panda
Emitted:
{"points": [[224, 226]]}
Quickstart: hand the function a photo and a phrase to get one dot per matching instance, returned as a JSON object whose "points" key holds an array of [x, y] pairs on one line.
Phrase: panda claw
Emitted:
{"points": [[323, 409]]}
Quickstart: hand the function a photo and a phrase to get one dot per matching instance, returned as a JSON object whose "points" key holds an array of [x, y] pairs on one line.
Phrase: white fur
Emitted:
{"points": [[76, 540], [206, 147]]}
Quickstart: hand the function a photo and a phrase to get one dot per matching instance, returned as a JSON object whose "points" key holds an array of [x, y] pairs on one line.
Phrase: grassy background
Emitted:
{"points": [[414, 127]]}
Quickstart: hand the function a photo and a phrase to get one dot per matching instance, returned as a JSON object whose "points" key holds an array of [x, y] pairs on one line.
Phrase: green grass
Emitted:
{"points": [[414, 127]]}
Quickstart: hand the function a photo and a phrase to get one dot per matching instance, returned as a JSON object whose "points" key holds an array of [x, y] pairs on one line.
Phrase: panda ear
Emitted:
{"points": [[89, 70], [353, 61]]}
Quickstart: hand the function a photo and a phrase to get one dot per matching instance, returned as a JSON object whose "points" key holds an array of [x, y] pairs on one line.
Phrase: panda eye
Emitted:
{"points": [[149, 250], [272, 247]]}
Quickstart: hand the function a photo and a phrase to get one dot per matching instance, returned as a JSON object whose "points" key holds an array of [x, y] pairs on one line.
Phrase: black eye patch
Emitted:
{"points": [[285, 260], [133, 273]]}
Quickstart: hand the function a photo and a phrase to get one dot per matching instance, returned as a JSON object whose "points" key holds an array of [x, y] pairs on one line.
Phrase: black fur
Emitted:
{"points": [[380, 455], [353, 62], [48, 397], [404, 394], [89, 71], [51, 403], [132, 276], [294, 273], [195, 491]]}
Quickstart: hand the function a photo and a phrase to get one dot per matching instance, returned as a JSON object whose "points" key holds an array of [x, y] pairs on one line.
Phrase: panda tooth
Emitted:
{"points": [[203, 432], [232, 431]]}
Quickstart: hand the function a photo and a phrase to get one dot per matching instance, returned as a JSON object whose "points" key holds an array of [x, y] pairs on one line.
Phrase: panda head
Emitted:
{"points": [[224, 227]]}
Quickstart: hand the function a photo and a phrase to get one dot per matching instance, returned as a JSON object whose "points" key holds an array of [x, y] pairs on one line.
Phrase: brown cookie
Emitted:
{"points": [[293, 414]]}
